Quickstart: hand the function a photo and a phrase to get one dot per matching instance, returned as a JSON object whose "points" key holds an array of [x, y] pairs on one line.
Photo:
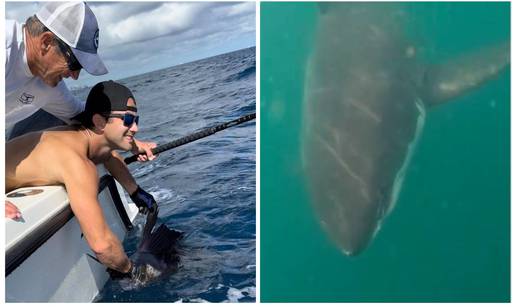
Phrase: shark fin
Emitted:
{"points": [[452, 79]]}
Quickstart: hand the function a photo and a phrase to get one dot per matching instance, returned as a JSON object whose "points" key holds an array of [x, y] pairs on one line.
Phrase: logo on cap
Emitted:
{"points": [[96, 39]]}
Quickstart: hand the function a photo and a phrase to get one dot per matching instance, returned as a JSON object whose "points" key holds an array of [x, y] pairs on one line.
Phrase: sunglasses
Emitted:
{"points": [[129, 119], [71, 60]]}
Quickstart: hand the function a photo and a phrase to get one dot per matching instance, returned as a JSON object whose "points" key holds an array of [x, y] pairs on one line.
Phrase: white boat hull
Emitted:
{"points": [[59, 267]]}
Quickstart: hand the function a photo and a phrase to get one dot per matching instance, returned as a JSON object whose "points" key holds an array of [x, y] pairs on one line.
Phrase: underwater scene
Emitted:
{"points": [[385, 152]]}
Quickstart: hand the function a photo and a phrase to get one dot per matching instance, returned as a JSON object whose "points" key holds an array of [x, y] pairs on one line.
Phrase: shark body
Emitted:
{"points": [[366, 100]]}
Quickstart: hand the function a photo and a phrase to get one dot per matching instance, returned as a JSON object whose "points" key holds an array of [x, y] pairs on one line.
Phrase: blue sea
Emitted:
{"points": [[205, 189]]}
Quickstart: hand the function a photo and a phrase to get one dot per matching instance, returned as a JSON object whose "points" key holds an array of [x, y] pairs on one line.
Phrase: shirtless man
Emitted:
{"points": [[68, 155]]}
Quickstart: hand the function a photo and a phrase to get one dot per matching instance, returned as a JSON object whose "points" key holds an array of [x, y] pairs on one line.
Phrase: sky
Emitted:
{"points": [[139, 37]]}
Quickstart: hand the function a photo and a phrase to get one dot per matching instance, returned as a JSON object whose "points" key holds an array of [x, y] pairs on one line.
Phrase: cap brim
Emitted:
{"points": [[90, 62]]}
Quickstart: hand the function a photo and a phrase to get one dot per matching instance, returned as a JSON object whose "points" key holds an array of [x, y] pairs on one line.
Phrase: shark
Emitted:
{"points": [[366, 97]]}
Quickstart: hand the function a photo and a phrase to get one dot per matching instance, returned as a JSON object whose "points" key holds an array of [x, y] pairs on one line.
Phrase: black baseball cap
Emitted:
{"points": [[105, 97]]}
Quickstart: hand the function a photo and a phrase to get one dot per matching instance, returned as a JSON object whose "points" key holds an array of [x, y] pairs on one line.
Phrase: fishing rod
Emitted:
{"points": [[195, 136]]}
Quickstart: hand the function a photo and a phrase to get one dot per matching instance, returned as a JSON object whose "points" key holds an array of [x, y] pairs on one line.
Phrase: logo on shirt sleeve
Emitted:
{"points": [[26, 98]]}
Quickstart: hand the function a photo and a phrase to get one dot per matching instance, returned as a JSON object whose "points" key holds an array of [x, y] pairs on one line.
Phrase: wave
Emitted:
{"points": [[248, 72]]}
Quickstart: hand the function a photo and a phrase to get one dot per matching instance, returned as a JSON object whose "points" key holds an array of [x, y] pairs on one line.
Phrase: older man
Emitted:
{"points": [[56, 43]]}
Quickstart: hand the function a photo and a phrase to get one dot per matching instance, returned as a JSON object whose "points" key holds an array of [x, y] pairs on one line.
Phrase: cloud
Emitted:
{"points": [[123, 23], [120, 10], [138, 37], [240, 9], [122, 26]]}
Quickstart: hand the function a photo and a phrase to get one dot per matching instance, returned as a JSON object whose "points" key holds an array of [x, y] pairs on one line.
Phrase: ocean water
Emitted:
{"points": [[448, 238], [206, 188]]}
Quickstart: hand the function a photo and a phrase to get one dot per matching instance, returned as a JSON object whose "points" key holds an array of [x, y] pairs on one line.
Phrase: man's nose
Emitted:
{"points": [[134, 128]]}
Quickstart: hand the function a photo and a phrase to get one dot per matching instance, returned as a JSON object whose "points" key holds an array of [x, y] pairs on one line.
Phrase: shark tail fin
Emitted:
{"points": [[455, 78]]}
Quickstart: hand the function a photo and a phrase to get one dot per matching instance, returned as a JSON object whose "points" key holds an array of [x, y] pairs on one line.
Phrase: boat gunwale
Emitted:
{"points": [[24, 248]]}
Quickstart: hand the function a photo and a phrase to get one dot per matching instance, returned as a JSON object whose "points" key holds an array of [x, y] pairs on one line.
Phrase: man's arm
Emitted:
{"points": [[81, 182], [117, 167]]}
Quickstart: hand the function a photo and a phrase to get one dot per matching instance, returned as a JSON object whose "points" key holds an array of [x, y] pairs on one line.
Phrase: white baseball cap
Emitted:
{"points": [[76, 25]]}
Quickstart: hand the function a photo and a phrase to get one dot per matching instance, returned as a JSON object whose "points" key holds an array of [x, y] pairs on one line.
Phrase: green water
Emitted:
{"points": [[448, 239]]}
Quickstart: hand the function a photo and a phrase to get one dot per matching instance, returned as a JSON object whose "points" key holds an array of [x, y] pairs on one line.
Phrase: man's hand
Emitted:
{"points": [[11, 211], [144, 201], [144, 150], [140, 274]]}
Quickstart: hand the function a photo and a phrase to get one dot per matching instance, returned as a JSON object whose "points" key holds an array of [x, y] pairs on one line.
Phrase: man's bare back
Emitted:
{"points": [[40, 158]]}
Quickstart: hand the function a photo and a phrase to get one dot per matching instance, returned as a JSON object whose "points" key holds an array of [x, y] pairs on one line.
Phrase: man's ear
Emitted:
{"points": [[99, 122], [46, 39]]}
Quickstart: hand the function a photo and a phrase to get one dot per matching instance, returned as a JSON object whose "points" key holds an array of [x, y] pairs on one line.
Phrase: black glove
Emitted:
{"points": [[144, 201]]}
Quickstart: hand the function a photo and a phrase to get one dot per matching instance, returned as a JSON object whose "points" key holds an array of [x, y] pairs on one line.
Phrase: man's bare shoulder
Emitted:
{"points": [[64, 135], [65, 139], [77, 164], [77, 167], [47, 157], [54, 144]]}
